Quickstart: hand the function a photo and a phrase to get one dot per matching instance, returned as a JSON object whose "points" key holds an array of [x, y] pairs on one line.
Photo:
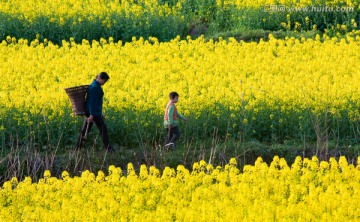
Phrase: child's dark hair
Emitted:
{"points": [[103, 75], [172, 95]]}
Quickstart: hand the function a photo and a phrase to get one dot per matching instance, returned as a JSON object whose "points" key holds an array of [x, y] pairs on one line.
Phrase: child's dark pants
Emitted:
{"points": [[172, 135]]}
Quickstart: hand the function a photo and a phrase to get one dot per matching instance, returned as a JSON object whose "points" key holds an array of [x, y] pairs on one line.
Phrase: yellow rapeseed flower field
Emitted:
{"points": [[281, 87], [308, 190], [234, 83], [299, 74]]}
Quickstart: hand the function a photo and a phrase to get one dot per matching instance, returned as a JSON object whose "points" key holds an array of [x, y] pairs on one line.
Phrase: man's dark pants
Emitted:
{"points": [[100, 124]]}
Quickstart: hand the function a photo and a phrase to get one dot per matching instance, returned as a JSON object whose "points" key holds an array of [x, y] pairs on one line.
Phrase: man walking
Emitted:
{"points": [[93, 107]]}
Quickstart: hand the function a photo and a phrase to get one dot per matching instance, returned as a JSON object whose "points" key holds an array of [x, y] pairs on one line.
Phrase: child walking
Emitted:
{"points": [[171, 123]]}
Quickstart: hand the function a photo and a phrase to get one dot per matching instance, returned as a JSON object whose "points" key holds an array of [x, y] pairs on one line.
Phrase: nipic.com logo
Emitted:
{"points": [[312, 8]]}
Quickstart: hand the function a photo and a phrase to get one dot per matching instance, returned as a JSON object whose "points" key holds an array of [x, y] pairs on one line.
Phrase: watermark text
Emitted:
{"points": [[284, 8]]}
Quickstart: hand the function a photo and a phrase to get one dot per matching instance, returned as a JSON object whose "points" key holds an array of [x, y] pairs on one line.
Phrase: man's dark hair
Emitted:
{"points": [[104, 76], [172, 95]]}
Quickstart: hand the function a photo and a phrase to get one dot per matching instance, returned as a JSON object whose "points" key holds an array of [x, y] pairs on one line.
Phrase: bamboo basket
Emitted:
{"points": [[77, 97]]}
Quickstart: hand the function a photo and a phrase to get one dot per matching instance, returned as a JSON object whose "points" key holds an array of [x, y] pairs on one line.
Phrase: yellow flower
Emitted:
{"points": [[47, 174]]}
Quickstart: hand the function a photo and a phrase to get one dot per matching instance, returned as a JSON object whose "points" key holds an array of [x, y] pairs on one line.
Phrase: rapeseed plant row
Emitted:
{"points": [[70, 8], [308, 190], [90, 19], [268, 90], [57, 20]]}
